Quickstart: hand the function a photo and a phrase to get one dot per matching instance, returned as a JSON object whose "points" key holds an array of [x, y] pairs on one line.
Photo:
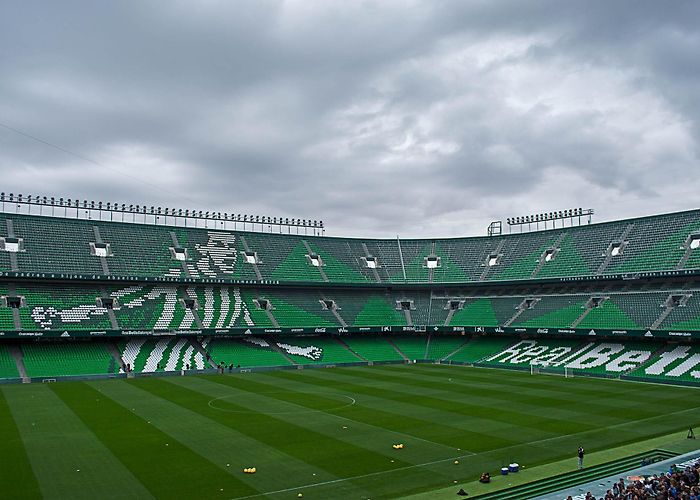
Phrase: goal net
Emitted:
{"points": [[537, 367]]}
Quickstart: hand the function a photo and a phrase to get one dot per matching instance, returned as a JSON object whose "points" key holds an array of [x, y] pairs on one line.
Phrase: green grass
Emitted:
{"points": [[324, 433]]}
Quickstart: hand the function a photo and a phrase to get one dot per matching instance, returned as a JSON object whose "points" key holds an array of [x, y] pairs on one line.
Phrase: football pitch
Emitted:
{"points": [[325, 433]]}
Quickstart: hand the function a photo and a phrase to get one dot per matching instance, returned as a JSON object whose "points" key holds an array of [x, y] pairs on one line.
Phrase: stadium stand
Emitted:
{"points": [[412, 347], [323, 350], [144, 306], [479, 348], [598, 358], [8, 368], [157, 355], [246, 353], [373, 348], [59, 245], [168, 294], [441, 346], [51, 359], [676, 363]]}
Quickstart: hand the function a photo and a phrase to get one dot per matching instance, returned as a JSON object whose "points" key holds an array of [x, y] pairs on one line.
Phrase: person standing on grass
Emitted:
{"points": [[581, 453]]}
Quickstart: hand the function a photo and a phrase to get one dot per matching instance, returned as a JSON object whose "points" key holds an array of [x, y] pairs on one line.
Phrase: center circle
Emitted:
{"points": [[254, 403]]}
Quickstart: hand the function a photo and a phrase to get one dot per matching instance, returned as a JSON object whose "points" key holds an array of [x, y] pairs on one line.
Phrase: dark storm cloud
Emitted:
{"points": [[417, 118]]}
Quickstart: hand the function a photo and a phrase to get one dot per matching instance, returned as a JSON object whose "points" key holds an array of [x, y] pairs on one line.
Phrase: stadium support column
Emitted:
{"points": [[543, 259], [103, 260], [664, 314], [487, 268], [285, 355], [403, 267], [189, 293], [16, 319], [688, 251], [176, 244], [258, 274], [202, 351], [14, 266], [445, 358], [114, 351], [396, 348], [513, 318], [110, 312], [17, 355], [609, 256], [335, 313], [581, 317], [346, 346], [373, 269], [320, 268], [407, 316], [272, 318], [431, 271], [450, 313]]}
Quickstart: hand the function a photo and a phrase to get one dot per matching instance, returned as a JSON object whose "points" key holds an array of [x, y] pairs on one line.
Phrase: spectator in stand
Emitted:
{"points": [[681, 484]]}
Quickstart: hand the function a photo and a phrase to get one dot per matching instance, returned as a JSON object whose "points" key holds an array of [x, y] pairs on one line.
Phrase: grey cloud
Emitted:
{"points": [[417, 118]]}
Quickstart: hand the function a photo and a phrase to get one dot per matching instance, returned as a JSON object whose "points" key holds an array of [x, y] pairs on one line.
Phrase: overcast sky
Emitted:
{"points": [[379, 117]]}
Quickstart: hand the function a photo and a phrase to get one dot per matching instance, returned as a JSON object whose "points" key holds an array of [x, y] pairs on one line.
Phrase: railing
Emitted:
{"points": [[142, 214]]}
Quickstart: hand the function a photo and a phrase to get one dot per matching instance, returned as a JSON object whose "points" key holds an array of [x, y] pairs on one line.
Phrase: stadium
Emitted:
{"points": [[362, 250], [157, 339]]}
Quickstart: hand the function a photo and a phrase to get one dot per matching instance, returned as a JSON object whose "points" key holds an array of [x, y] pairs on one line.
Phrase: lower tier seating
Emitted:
{"points": [[59, 359], [161, 355], [648, 360], [373, 348], [479, 347], [673, 363], [413, 347], [602, 358], [304, 350], [8, 368], [245, 353]]}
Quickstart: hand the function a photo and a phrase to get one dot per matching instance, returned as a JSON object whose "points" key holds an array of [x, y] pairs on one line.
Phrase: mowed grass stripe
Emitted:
{"points": [[519, 378], [68, 460], [534, 426], [300, 439], [421, 473], [475, 432], [561, 395], [640, 409], [400, 426], [166, 467], [560, 405], [406, 420], [558, 386], [16, 476], [214, 436], [531, 452], [528, 402], [340, 457], [684, 411], [298, 404], [614, 394], [559, 446]]}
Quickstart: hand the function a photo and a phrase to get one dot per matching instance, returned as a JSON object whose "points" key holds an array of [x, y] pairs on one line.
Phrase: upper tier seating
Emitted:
{"points": [[66, 246]]}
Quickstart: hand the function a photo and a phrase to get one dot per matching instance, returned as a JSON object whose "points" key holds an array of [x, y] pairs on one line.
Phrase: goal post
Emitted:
{"points": [[537, 367]]}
